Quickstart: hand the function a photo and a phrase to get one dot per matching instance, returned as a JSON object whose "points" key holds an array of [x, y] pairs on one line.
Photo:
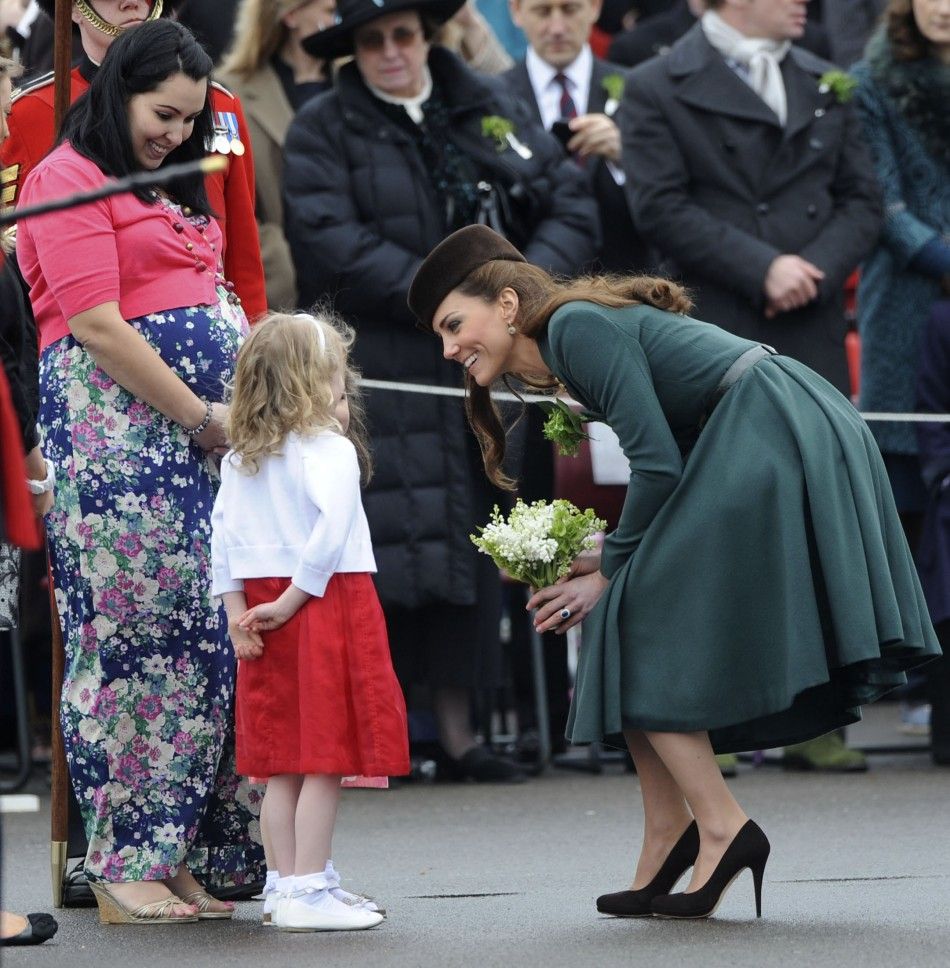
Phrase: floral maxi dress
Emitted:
{"points": [[147, 703]]}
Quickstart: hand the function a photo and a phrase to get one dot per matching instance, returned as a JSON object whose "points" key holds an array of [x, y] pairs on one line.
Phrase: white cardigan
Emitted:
{"points": [[299, 517]]}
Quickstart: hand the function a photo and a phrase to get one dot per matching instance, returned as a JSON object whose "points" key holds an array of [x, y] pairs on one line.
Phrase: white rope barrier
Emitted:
{"points": [[536, 398]]}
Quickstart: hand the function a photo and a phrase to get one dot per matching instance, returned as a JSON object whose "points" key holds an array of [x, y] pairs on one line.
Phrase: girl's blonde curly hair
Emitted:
{"points": [[283, 384]]}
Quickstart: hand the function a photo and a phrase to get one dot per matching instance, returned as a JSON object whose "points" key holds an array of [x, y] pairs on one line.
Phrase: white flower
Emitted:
{"points": [[538, 541], [105, 627], [125, 729], [168, 834], [104, 563], [90, 730], [78, 396], [157, 665]]}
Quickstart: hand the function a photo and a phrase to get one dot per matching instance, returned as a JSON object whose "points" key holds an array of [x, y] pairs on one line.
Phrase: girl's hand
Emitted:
{"points": [[271, 615], [247, 645], [264, 618], [577, 595]]}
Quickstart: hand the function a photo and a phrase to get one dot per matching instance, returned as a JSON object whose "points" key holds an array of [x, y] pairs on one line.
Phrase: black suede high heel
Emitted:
{"points": [[749, 848], [636, 904]]}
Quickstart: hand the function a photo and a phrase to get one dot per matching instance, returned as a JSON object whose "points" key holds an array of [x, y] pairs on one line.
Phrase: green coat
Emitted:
{"points": [[761, 587]]}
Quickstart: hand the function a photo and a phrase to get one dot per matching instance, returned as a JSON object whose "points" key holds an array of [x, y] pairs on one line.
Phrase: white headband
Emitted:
{"points": [[319, 327]]}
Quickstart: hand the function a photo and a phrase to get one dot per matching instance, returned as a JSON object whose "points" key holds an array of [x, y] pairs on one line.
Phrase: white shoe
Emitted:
{"points": [[271, 899], [355, 900], [313, 908]]}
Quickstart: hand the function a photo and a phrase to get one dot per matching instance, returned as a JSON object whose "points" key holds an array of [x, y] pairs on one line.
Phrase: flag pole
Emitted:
{"points": [[59, 787]]}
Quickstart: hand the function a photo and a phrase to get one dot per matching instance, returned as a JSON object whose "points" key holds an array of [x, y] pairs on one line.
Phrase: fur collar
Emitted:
{"points": [[920, 91]]}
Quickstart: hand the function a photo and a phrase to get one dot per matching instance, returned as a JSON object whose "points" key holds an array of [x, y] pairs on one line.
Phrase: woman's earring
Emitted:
{"points": [[511, 330]]}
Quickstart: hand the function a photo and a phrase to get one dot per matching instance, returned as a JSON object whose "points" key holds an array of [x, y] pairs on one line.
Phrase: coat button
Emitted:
{"points": [[819, 112], [200, 266], [816, 143], [178, 227], [812, 211], [762, 208], [189, 246]]}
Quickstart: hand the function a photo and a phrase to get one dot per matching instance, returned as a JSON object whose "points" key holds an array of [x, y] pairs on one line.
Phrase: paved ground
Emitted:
{"points": [[495, 876]]}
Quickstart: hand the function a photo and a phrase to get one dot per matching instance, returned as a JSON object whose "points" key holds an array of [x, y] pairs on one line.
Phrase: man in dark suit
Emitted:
{"points": [[752, 178], [657, 34], [562, 80]]}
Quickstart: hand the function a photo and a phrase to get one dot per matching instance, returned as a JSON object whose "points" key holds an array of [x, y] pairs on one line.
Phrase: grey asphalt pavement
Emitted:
{"points": [[506, 876]]}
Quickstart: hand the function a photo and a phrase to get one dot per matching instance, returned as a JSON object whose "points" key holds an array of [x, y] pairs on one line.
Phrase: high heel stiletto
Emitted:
{"points": [[749, 848], [636, 904]]}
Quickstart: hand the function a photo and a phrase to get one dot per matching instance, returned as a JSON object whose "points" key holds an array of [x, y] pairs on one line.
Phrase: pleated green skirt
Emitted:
{"points": [[774, 593]]}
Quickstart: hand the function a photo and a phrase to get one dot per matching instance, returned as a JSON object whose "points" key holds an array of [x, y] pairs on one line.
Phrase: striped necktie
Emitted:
{"points": [[568, 107]]}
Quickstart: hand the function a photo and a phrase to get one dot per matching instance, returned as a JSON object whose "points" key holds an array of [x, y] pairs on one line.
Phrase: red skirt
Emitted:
{"points": [[323, 698]]}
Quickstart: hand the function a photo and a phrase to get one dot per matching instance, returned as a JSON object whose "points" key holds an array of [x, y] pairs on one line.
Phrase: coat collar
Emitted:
{"points": [[520, 82], [706, 81], [462, 90]]}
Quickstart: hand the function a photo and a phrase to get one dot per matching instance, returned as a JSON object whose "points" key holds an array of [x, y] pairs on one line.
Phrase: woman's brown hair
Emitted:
{"points": [[539, 296], [907, 42]]}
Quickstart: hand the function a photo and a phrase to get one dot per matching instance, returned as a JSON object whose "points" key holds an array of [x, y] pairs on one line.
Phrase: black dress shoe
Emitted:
{"points": [[636, 904], [480, 765], [749, 848], [39, 928]]}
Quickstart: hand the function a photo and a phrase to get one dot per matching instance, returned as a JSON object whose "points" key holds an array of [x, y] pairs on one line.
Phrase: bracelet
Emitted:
{"points": [[44, 486], [194, 431]]}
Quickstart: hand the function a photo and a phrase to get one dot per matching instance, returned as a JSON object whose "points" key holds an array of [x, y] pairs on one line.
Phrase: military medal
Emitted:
{"points": [[221, 142], [234, 134]]}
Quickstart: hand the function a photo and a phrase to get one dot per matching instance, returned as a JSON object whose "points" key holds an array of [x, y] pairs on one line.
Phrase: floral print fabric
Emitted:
{"points": [[147, 703]]}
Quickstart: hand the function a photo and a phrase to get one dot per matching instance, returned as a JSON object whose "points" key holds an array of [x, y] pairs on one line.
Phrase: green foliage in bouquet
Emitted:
{"points": [[564, 427], [539, 541]]}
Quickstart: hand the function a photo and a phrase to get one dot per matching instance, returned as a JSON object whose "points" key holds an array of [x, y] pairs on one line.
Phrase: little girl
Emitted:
{"points": [[317, 698]]}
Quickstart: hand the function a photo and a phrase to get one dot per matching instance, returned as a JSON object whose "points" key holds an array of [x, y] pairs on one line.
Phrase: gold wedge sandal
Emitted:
{"points": [[113, 911], [202, 900]]}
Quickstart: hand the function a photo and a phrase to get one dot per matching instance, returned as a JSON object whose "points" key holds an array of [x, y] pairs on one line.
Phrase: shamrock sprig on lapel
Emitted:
{"points": [[613, 84], [564, 427], [502, 130], [839, 83]]}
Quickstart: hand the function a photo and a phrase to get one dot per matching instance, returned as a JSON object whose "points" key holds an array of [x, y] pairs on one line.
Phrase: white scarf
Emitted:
{"points": [[762, 58], [413, 105]]}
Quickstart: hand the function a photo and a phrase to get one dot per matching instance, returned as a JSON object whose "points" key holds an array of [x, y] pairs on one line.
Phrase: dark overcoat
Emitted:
{"points": [[722, 189], [622, 249], [933, 396], [361, 214]]}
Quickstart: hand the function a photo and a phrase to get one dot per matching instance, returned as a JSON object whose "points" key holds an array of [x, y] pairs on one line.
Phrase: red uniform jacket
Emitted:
{"points": [[231, 192]]}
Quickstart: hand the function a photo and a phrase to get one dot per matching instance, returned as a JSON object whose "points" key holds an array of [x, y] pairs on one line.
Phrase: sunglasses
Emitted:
{"points": [[375, 40]]}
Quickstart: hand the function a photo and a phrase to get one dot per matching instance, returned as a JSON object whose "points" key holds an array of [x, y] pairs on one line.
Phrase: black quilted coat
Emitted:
{"points": [[361, 215]]}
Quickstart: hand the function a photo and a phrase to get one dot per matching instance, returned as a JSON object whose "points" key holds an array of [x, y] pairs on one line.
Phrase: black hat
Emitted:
{"points": [[49, 7], [450, 262], [337, 41]]}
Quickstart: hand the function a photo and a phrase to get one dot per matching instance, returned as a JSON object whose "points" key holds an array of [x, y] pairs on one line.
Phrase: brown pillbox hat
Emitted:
{"points": [[447, 265]]}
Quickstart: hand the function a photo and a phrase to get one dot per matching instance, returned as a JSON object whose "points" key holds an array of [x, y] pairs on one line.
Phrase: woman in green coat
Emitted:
{"points": [[758, 588]]}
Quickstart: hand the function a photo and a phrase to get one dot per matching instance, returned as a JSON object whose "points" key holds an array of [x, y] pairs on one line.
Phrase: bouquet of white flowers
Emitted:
{"points": [[539, 541]]}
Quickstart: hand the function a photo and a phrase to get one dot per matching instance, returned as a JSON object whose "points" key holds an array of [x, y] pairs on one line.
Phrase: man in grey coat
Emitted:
{"points": [[750, 175]]}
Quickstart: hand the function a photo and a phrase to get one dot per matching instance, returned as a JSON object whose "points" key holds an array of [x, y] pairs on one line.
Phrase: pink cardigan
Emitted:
{"points": [[115, 250]]}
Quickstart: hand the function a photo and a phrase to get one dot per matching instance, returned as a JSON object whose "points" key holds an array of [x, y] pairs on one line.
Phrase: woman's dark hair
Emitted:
{"points": [[907, 42], [97, 125], [539, 296]]}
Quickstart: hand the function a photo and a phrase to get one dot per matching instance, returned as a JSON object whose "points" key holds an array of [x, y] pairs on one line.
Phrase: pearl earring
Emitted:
{"points": [[511, 330]]}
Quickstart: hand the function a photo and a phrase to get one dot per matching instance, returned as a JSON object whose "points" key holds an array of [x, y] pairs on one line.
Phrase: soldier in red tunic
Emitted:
{"points": [[231, 192]]}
